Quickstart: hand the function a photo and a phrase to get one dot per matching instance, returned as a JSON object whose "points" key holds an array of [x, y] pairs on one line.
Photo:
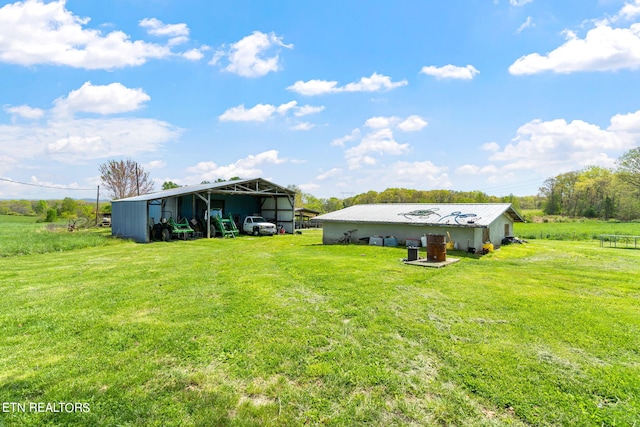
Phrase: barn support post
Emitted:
{"points": [[208, 214], [208, 202], [275, 201]]}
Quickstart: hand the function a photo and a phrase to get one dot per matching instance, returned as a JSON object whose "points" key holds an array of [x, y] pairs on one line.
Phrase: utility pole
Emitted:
{"points": [[97, 204], [137, 179], [346, 194]]}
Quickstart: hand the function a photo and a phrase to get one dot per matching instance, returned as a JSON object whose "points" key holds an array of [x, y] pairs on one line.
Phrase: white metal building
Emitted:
{"points": [[468, 224], [133, 217]]}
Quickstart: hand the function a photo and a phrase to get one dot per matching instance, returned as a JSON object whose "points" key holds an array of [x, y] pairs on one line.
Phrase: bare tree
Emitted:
{"points": [[125, 178]]}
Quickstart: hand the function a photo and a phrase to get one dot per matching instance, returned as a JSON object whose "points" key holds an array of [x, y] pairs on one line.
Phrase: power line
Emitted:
{"points": [[46, 186]]}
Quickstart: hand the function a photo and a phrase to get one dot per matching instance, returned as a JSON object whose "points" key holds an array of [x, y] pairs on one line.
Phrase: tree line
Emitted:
{"points": [[407, 195], [593, 192], [53, 210], [596, 192]]}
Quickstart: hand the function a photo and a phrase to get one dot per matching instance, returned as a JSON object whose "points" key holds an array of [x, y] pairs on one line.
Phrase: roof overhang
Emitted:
{"points": [[469, 215], [249, 187]]}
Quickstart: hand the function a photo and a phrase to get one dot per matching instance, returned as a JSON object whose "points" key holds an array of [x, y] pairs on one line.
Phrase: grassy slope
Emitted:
{"points": [[285, 331]]}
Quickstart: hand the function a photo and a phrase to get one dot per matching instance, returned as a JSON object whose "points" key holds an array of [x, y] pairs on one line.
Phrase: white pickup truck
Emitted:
{"points": [[257, 226]]}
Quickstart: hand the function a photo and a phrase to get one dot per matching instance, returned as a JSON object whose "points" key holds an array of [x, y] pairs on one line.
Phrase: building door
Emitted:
{"points": [[507, 230]]}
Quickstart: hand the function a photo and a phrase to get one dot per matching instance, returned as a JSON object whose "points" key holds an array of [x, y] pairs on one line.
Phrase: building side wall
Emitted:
{"points": [[129, 220], [334, 231], [497, 230]]}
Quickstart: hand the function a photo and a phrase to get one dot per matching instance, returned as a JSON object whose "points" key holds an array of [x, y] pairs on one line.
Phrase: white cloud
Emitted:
{"points": [[283, 108], [451, 72], [303, 126], [108, 99], [258, 113], [626, 123], [339, 142], [177, 33], [526, 24], [603, 49], [380, 122], [155, 164], [249, 57], [412, 124], [24, 111], [416, 175], [490, 146], [264, 112], [158, 28], [329, 174], [476, 170], [248, 167], [33, 32], [70, 140], [375, 83], [519, 2], [550, 147], [74, 141], [630, 11], [315, 87], [305, 110], [380, 142], [90, 147], [309, 187], [194, 54]]}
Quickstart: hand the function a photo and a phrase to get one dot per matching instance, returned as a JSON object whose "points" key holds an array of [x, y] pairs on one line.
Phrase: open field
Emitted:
{"points": [[574, 230], [21, 235], [285, 331]]}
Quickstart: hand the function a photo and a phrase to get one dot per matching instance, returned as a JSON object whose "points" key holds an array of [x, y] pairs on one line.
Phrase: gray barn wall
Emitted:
{"points": [[496, 230], [465, 236], [129, 220]]}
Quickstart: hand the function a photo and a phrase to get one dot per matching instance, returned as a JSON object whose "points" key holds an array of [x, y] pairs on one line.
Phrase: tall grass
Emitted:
{"points": [[21, 235]]}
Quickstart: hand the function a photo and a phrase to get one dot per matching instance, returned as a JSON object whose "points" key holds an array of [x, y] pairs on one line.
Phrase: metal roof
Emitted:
{"points": [[256, 186], [452, 214]]}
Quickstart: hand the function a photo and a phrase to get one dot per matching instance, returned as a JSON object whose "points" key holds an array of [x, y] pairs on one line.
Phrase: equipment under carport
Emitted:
{"points": [[226, 227], [167, 229]]}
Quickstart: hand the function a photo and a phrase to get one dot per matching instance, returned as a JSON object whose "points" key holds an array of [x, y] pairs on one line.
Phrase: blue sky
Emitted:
{"points": [[335, 97]]}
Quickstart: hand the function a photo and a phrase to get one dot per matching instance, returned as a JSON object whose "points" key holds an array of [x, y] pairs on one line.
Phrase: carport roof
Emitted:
{"points": [[443, 214], [253, 187]]}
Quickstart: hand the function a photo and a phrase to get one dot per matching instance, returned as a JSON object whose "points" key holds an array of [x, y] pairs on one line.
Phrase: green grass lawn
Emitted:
{"points": [[285, 331], [574, 230]]}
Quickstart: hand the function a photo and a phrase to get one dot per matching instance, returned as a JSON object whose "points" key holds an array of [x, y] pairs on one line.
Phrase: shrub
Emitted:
{"points": [[52, 215]]}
